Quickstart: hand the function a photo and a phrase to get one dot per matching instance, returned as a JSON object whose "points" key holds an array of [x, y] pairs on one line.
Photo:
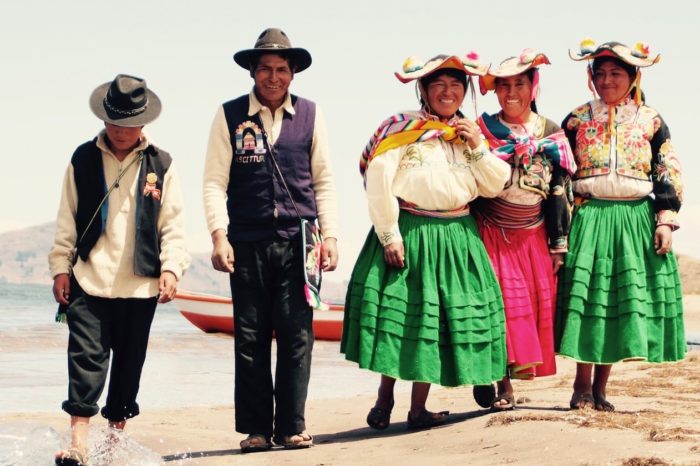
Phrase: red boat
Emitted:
{"points": [[213, 314]]}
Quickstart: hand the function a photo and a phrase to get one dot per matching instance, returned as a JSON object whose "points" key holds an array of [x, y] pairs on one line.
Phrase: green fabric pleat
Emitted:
{"points": [[439, 319], [618, 299]]}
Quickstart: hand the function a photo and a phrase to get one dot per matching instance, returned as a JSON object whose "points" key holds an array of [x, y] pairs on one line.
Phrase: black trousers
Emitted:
{"points": [[267, 287], [96, 326]]}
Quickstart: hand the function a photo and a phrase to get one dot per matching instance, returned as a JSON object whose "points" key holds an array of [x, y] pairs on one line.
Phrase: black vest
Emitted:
{"points": [[90, 182], [258, 206]]}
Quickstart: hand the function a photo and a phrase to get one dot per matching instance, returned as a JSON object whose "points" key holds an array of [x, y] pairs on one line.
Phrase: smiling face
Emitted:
{"points": [[514, 93], [445, 95], [612, 82], [272, 76]]}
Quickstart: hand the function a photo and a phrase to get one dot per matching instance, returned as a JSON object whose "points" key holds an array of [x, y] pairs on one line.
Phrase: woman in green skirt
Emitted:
{"points": [[620, 295], [423, 303]]}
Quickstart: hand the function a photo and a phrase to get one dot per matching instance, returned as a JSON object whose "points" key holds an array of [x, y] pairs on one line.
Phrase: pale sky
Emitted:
{"points": [[55, 53]]}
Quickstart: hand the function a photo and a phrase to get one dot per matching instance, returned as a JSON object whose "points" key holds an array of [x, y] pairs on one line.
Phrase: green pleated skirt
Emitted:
{"points": [[439, 319], [618, 300]]}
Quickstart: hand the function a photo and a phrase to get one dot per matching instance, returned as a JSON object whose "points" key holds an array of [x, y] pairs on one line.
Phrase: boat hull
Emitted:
{"points": [[214, 314]]}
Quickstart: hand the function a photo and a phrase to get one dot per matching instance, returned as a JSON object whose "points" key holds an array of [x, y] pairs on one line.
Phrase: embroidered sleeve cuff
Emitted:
{"points": [[668, 217], [474, 155], [389, 236], [559, 245]]}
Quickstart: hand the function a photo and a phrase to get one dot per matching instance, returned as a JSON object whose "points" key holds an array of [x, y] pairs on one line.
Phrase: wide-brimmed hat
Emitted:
{"points": [[638, 56], [273, 40], [413, 68], [512, 66], [125, 101]]}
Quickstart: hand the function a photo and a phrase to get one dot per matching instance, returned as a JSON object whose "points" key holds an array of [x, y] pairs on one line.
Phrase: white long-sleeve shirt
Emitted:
{"points": [[433, 175], [220, 154], [109, 270]]}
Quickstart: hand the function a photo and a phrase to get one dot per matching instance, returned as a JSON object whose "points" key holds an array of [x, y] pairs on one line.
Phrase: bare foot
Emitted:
{"points": [[71, 457], [602, 404], [581, 401]]}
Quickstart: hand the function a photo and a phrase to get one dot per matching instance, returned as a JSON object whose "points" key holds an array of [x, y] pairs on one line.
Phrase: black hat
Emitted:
{"points": [[125, 101], [273, 40]]}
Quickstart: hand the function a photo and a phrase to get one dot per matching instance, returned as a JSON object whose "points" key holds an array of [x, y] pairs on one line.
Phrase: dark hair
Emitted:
{"points": [[460, 76], [530, 73], [255, 60], [631, 70]]}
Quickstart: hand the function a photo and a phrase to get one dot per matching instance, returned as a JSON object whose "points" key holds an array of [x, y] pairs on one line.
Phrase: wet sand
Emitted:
{"points": [[656, 422]]}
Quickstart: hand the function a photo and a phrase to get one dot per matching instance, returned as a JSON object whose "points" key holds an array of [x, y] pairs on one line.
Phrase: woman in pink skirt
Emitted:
{"points": [[525, 228]]}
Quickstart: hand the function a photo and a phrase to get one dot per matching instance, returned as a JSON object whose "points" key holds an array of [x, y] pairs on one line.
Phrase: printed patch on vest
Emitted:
{"points": [[249, 143]]}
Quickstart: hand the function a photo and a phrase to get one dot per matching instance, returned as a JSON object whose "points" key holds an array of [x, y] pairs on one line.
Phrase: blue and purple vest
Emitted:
{"points": [[258, 206]]}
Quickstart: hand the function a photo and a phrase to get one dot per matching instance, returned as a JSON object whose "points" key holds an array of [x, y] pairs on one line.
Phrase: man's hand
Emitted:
{"points": [[663, 239], [167, 287], [394, 254], [329, 255], [61, 288], [222, 253]]}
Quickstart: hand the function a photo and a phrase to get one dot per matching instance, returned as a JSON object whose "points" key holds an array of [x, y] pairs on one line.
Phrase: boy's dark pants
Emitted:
{"points": [[98, 325], [268, 295]]}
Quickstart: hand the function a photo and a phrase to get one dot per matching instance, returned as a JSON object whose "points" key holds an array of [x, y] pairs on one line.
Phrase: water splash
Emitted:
{"points": [[25, 444], [110, 447]]}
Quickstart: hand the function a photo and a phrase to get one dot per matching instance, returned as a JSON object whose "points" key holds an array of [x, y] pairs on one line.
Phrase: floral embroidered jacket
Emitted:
{"points": [[637, 146]]}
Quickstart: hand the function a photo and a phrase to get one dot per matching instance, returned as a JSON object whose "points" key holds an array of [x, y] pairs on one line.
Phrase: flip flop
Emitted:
{"points": [[379, 418], [296, 441], [508, 398], [581, 401], [601, 404], [72, 457], [484, 395], [255, 442], [426, 420]]}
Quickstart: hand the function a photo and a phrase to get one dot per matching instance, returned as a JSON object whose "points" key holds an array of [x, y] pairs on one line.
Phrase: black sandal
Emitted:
{"points": [[508, 398], [484, 395], [379, 418], [426, 420]]}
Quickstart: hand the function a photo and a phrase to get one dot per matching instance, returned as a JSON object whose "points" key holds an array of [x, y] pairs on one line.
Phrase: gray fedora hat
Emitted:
{"points": [[273, 40], [125, 101]]}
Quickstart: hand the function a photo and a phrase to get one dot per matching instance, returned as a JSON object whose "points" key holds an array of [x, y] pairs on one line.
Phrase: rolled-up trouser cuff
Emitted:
{"points": [[76, 408], [120, 414]]}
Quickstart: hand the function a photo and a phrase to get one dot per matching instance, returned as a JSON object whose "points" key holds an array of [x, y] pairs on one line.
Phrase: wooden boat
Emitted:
{"points": [[212, 313]]}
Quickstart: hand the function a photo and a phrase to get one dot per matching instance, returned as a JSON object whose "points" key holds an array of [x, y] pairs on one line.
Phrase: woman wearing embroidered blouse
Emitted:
{"points": [[525, 227], [423, 303], [620, 295]]}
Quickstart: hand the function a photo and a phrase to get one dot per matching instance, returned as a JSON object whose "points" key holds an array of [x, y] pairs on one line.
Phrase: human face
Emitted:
{"points": [[514, 93], [612, 83], [445, 96], [122, 139], [272, 76]]}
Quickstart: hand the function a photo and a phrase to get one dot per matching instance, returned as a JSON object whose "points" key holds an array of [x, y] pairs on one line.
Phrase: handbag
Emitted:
{"points": [[311, 244], [75, 290]]}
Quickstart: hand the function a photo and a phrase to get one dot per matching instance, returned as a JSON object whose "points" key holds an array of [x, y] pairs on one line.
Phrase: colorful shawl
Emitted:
{"points": [[401, 129], [504, 144]]}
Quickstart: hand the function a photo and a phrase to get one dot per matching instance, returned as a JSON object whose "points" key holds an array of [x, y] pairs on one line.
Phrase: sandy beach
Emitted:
{"points": [[656, 423]]}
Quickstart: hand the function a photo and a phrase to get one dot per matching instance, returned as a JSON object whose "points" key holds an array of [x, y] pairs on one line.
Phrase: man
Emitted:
{"points": [[118, 250], [254, 224]]}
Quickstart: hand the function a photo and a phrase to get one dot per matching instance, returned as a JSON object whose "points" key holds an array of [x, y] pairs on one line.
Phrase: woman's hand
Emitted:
{"points": [[394, 254], [557, 261], [663, 239], [468, 132]]}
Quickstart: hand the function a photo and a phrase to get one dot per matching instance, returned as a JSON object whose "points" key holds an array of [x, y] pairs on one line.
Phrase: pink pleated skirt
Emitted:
{"points": [[523, 266]]}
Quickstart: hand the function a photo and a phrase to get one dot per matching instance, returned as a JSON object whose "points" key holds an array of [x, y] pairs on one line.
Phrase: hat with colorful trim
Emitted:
{"points": [[638, 56], [512, 66], [414, 68]]}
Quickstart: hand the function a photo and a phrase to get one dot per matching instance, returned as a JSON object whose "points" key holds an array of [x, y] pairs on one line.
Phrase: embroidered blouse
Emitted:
{"points": [[630, 160], [539, 188], [432, 175]]}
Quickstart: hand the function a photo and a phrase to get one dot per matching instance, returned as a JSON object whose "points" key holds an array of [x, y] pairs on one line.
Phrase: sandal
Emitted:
{"points": [[378, 418], [255, 442], [296, 441], [508, 398], [581, 401], [72, 457], [426, 420], [601, 404], [484, 395]]}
